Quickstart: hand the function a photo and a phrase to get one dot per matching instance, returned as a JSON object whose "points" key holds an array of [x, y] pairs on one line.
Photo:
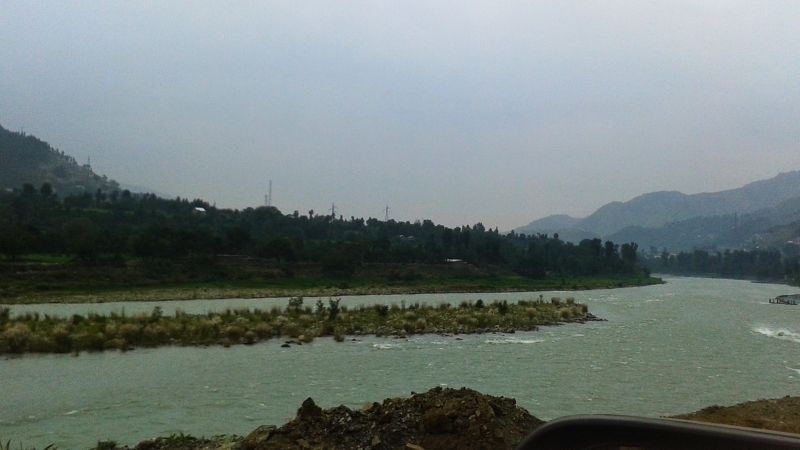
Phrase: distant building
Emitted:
{"points": [[199, 210]]}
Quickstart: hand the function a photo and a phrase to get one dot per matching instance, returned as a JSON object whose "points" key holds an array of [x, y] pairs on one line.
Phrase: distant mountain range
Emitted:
{"points": [[731, 219]]}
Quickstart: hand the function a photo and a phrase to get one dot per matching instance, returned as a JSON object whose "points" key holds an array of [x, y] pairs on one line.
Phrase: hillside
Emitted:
{"points": [[567, 228], [26, 159], [658, 209], [768, 227]]}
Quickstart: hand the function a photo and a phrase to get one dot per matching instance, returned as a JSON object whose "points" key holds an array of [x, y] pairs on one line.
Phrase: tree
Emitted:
{"points": [[14, 240], [628, 253], [82, 238], [237, 238], [46, 190], [279, 248]]}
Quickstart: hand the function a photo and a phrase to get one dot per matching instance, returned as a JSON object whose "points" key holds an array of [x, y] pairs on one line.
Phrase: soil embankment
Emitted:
{"points": [[781, 414]]}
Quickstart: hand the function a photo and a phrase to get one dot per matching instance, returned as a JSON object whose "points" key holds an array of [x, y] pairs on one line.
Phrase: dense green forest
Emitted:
{"points": [[111, 227], [768, 264]]}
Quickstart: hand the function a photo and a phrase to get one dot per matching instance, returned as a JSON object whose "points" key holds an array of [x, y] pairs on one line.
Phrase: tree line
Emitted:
{"points": [[95, 228], [758, 263]]}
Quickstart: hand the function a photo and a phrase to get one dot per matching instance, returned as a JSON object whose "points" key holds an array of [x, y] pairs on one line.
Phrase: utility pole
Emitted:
{"points": [[386, 217]]}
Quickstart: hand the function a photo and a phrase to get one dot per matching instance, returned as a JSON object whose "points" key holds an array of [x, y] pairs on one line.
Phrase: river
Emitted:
{"points": [[665, 349]]}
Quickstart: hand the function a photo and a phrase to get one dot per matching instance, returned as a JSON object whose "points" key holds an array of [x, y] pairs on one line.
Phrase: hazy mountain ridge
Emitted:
{"points": [[554, 222], [768, 227], [27, 159], [674, 214]]}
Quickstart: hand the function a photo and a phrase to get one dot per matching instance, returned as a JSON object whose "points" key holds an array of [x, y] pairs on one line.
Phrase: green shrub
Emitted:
{"points": [[333, 308], [502, 307], [295, 304], [15, 339], [263, 330], [89, 341], [292, 330], [233, 333], [382, 310], [338, 335]]}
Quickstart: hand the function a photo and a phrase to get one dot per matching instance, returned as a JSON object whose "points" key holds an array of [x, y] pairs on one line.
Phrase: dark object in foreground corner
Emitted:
{"points": [[623, 432]]}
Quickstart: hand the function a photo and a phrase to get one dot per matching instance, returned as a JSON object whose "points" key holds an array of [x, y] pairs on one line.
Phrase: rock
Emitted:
{"points": [[309, 410], [147, 445], [258, 437]]}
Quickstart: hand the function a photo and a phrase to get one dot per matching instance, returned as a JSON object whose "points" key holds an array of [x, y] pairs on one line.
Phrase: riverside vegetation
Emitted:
{"points": [[35, 333]]}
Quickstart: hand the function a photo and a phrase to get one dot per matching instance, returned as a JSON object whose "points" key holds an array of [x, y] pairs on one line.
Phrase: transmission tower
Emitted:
{"points": [[386, 216], [268, 197]]}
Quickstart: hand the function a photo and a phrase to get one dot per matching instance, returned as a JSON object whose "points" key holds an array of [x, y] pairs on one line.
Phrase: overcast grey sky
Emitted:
{"points": [[499, 112]]}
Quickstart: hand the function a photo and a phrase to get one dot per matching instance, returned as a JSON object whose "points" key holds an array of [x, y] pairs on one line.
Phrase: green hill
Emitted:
{"points": [[26, 159]]}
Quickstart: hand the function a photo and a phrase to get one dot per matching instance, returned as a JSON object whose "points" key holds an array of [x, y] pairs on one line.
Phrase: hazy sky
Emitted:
{"points": [[499, 112]]}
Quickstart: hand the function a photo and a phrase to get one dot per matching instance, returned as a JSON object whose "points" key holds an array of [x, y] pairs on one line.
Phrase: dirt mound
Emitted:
{"points": [[435, 420], [782, 414]]}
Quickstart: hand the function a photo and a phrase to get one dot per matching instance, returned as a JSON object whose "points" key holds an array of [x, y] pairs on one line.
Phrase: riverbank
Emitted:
{"points": [[298, 322], [325, 288], [781, 414], [64, 283], [716, 276], [439, 419]]}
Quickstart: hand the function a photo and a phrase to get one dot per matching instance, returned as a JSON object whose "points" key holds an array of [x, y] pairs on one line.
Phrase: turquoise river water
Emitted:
{"points": [[664, 350]]}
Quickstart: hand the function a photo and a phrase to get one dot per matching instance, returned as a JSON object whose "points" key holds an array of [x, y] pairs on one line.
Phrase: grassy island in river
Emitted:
{"points": [[34, 333]]}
